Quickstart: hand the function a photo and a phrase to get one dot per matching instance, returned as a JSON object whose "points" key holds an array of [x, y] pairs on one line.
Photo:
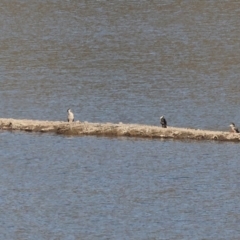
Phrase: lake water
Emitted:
{"points": [[131, 62]]}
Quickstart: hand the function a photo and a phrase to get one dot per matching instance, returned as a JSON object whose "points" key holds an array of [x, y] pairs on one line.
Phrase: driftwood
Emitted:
{"points": [[115, 130]]}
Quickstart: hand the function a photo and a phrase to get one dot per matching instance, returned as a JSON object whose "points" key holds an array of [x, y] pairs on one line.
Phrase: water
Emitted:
{"points": [[103, 188], [119, 62]]}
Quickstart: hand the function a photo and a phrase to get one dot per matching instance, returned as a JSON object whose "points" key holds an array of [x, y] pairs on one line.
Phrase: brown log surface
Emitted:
{"points": [[115, 130]]}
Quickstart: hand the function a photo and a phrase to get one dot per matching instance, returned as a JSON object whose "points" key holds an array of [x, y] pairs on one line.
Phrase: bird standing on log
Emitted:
{"points": [[234, 128], [163, 122], [70, 115]]}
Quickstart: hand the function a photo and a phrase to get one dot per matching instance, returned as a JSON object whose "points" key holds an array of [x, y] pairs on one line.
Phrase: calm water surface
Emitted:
{"points": [[119, 62]]}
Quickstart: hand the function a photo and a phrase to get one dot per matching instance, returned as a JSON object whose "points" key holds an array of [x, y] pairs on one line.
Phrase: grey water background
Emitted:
{"points": [[119, 61]]}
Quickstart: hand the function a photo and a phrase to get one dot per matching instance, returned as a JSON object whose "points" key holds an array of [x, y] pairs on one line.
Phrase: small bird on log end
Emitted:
{"points": [[234, 128], [163, 122], [70, 115]]}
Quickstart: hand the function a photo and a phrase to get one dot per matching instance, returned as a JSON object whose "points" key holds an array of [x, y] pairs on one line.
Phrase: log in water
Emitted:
{"points": [[114, 130]]}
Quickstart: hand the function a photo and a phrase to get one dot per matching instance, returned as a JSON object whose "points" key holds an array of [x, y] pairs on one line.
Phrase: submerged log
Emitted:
{"points": [[115, 130]]}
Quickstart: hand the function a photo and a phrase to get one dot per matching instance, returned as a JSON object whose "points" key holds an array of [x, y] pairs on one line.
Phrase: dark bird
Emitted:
{"points": [[163, 122], [70, 115], [234, 128]]}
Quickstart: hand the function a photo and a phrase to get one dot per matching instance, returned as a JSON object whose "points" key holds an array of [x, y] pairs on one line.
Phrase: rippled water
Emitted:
{"points": [[54, 187], [110, 62]]}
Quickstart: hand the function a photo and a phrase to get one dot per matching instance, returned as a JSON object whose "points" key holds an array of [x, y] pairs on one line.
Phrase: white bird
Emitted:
{"points": [[70, 115]]}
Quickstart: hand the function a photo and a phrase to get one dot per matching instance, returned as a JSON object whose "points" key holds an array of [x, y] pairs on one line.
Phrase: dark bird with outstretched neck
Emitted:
{"points": [[234, 128]]}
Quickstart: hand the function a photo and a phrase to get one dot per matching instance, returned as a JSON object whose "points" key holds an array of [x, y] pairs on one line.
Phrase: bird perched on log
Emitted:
{"points": [[234, 128], [163, 122], [70, 115]]}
